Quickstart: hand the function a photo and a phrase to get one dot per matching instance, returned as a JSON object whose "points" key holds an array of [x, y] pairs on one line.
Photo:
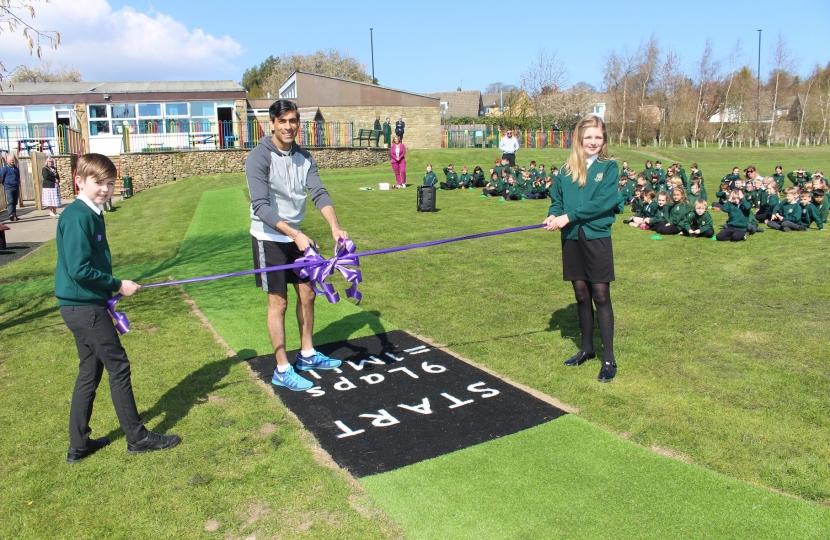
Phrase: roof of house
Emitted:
{"points": [[461, 102], [354, 82], [55, 88]]}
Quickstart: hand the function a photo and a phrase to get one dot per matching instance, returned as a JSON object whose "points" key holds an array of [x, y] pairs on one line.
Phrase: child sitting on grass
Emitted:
{"points": [[778, 177], [429, 178], [738, 210], [679, 215], [695, 195], [478, 177], [701, 224], [722, 195], [451, 177], [465, 180], [661, 213], [769, 202], [513, 191], [821, 203], [787, 213], [494, 187], [648, 209], [809, 213]]}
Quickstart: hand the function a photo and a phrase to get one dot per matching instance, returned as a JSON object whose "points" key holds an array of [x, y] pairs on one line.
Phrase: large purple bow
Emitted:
{"points": [[318, 269], [121, 322]]}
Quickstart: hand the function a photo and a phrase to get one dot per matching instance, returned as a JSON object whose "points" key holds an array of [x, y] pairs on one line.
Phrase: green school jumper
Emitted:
{"points": [[799, 180], [590, 207], [452, 178], [738, 214], [83, 275], [679, 215], [790, 212], [702, 223], [823, 209], [809, 215], [465, 179], [430, 179], [779, 179]]}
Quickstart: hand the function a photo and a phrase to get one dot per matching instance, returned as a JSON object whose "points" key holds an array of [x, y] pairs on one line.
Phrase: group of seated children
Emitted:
{"points": [[505, 182], [680, 208]]}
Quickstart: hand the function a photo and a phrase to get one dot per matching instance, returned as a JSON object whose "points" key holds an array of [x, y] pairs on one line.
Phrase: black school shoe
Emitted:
{"points": [[74, 455], [580, 358], [608, 372], [153, 442]]}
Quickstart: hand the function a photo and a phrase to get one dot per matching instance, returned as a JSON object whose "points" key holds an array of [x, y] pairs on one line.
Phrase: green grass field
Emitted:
{"points": [[721, 350]]}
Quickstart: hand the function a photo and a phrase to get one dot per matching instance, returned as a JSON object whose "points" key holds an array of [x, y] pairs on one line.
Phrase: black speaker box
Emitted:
{"points": [[426, 198]]}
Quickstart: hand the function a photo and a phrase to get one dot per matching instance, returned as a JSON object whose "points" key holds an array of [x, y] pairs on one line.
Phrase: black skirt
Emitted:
{"points": [[588, 260]]}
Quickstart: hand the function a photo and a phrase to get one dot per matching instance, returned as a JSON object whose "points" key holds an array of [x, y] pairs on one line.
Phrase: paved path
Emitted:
{"points": [[34, 225]]}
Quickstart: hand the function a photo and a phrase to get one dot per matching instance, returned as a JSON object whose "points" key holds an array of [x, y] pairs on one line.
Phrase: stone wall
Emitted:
{"points": [[153, 169], [423, 124]]}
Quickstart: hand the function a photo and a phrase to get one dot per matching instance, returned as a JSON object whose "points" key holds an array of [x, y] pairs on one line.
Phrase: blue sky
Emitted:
{"points": [[424, 46]]}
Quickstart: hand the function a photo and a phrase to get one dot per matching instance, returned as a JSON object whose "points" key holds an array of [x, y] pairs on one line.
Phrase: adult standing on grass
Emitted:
{"points": [[508, 146], [387, 132], [583, 199], [400, 126], [397, 155], [50, 191], [279, 175], [10, 178]]}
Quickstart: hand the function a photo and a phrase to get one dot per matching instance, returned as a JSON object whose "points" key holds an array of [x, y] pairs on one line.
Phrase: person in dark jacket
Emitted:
{"points": [[10, 178]]}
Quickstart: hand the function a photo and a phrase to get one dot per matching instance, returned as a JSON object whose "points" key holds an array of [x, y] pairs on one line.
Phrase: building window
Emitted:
{"points": [[11, 114], [290, 91], [175, 109], [98, 120], [444, 106]]}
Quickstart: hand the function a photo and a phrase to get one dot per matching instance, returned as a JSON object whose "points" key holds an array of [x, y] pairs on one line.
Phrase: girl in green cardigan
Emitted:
{"points": [[583, 198]]}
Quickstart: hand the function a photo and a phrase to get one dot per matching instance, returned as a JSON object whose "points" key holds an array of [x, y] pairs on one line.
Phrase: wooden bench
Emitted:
{"points": [[209, 138], [368, 135]]}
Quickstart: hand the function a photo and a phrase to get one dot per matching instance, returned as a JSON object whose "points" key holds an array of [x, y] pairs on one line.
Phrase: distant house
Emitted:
{"points": [[460, 103], [600, 106], [342, 100]]}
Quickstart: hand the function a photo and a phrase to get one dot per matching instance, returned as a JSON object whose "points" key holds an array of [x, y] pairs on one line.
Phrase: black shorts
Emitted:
{"points": [[267, 253], [588, 260]]}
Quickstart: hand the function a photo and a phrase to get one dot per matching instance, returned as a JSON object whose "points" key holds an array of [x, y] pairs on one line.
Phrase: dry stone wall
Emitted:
{"points": [[153, 169], [423, 124]]}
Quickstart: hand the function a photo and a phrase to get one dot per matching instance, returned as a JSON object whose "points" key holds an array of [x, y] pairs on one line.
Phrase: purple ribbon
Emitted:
{"points": [[317, 269]]}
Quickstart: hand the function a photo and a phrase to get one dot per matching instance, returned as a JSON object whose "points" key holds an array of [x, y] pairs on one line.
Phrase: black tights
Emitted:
{"points": [[598, 294]]}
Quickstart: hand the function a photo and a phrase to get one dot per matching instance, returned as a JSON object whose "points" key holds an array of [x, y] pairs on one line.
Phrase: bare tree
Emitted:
{"points": [[803, 111], [544, 77], [823, 82], [782, 62], [669, 93], [496, 87], [647, 65], [724, 109], [46, 73], [707, 70], [14, 15], [618, 76]]}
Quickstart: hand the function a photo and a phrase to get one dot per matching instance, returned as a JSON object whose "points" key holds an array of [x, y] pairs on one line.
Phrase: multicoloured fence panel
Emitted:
{"points": [[490, 136], [22, 139], [319, 134]]}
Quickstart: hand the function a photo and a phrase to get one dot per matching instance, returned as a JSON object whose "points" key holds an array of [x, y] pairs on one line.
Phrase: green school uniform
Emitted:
{"points": [[752, 197], [649, 210], [533, 173], [478, 177], [452, 178], [83, 275], [809, 215], [799, 180], [661, 173], [682, 174], [722, 196], [779, 179], [738, 214], [702, 223], [679, 215], [514, 189], [731, 178], [823, 209], [771, 203], [620, 206], [497, 184], [430, 179], [542, 175], [648, 172], [590, 207], [498, 169], [790, 212], [661, 214], [465, 179], [694, 198]]}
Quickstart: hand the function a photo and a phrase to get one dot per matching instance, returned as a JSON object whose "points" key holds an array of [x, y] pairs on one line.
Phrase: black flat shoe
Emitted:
{"points": [[153, 442], [580, 358], [608, 372], [75, 455]]}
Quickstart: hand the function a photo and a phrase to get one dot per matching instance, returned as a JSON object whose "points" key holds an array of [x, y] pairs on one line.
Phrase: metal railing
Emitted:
{"points": [[181, 135], [491, 135]]}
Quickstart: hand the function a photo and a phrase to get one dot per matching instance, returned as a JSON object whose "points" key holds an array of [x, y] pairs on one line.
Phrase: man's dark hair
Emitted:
{"points": [[280, 107]]}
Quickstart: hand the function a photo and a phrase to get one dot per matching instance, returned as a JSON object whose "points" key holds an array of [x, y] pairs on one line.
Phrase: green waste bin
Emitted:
{"points": [[128, 186]]}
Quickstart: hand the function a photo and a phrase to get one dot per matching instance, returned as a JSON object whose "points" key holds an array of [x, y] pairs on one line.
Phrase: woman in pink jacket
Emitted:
{"points": [[397, 151]]}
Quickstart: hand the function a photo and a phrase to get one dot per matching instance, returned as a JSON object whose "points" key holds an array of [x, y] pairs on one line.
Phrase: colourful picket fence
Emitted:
{"points": [[490, 136]]}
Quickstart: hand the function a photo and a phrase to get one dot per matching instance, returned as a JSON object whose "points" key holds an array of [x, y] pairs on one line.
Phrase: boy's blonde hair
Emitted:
{"points": [[576, 166], [700, 203], [792, 191], [96, 166]]}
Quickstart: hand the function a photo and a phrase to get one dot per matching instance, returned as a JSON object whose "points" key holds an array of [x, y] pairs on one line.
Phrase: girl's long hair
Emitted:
{"points": [[576, 165]]}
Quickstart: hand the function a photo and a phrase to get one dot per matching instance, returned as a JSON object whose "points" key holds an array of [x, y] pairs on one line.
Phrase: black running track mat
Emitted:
{"points": [[396, 401]]}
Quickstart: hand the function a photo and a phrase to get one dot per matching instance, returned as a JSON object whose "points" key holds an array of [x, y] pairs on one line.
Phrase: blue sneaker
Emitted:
{"points": [[318, 361], [291, 380]]}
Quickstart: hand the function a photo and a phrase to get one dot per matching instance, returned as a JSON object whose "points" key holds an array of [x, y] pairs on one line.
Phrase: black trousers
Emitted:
{"points": [[445, 185], [667, 229], [733, 235], [511, 159], [99, 347], [786, 223]]}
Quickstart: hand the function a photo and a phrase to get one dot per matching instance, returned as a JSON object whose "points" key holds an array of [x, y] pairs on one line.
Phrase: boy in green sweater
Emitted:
{"points": [[737, 209], [83, 285], [701, 225], [821, 204], [787, 214], [452, 178], [809, 213], [465, 180], [799, 177], [429, 178]]}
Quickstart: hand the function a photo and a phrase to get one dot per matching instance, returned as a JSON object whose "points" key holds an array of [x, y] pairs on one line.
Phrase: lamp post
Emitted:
{"points": [[758, 97], [372, 43]]}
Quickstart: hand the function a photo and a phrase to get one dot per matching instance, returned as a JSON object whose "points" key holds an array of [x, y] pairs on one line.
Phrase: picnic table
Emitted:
{"points": [[27, 145]]}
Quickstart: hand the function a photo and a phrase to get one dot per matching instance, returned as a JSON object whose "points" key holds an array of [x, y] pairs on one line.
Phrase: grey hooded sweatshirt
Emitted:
{"points": [[278, 182]]}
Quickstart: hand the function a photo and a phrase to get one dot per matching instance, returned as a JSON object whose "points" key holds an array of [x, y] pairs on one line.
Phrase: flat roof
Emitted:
{"points": [[57, 88]]}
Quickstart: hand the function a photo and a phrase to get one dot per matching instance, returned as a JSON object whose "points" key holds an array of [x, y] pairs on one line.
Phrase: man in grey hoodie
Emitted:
{"points": [[280, 177]]}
